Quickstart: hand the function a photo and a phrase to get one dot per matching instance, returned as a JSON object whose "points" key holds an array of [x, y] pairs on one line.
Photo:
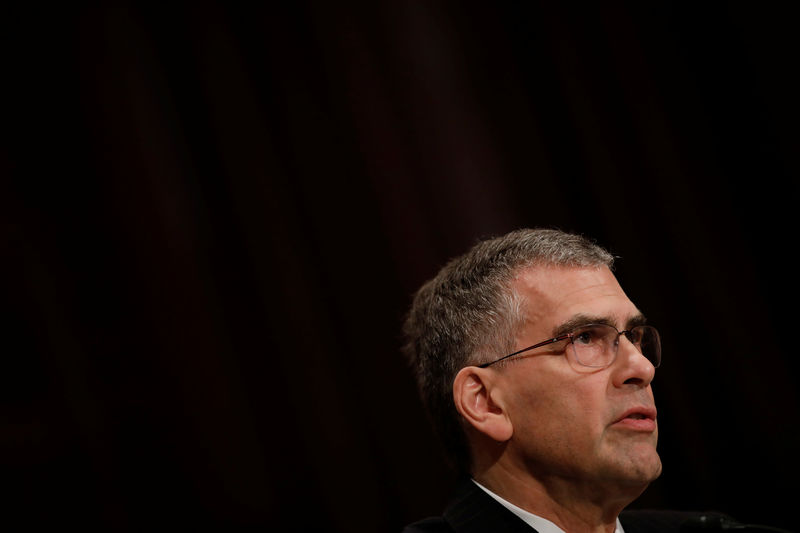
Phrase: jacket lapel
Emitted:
{"points": [[474, 511]]}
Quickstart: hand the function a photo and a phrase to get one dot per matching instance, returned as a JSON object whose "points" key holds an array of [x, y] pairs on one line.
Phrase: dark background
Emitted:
{"points": [[214, 217]]}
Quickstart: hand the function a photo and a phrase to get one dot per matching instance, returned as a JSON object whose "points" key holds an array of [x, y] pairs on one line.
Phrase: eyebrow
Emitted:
{"points": [[581, 319]]}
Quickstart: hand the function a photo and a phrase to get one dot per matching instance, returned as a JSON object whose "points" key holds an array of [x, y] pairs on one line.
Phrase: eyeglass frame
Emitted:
{"points": [[570, 336]]}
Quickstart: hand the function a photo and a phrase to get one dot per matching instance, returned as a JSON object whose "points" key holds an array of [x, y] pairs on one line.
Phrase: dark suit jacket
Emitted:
{"points": [[474, 511]]}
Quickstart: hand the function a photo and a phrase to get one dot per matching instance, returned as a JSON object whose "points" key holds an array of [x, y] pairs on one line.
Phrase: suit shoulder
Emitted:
{"points": [[661, 521], [435, 524]]}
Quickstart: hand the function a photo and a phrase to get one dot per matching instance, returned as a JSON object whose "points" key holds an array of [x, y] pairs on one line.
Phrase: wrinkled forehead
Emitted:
{"points": [[553, 295]]}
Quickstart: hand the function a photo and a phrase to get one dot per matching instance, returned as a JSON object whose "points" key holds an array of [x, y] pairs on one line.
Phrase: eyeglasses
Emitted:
{"points": [[596, 345]]}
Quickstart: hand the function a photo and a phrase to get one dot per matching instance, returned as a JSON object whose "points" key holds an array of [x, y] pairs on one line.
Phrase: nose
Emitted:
{"points": [[631, 368]]}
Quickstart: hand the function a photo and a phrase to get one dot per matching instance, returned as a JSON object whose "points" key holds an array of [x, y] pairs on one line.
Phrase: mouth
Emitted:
{"points": [[638, 419]]}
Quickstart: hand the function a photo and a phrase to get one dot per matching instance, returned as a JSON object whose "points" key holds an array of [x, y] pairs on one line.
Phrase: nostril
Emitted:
{"points": [[633, 381]]}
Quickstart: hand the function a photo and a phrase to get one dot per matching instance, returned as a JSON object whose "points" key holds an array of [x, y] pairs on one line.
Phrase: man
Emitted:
{"points": [[535, 368]]}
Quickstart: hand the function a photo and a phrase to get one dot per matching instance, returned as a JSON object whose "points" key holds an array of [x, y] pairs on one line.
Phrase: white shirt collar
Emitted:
{"points": [[542, 525]]}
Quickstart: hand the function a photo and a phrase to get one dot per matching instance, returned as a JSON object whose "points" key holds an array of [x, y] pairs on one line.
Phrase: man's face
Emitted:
{"points": [[592, 427]]}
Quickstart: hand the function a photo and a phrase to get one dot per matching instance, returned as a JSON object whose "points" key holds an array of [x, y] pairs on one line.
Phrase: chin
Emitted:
{"points": [[645, 470], [641, 462], [637, 470]]}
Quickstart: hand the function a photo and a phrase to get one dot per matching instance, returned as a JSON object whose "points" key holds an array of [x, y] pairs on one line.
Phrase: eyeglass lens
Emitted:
{"points": [[596, 345]]}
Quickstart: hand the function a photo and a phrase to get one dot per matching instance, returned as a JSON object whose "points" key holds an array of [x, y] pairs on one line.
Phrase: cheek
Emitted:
{"points": [[552, 403], [564, 416], [571, 415]]}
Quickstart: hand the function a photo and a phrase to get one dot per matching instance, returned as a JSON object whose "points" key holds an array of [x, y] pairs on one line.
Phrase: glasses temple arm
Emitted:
{"points": [[539, 345]]}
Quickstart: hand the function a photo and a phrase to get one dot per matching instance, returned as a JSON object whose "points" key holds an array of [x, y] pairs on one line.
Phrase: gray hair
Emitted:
{"points": [[469, 314]]}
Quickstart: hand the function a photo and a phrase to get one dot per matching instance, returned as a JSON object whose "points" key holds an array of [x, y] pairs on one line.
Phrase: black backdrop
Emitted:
{"points": [[214, 218]]}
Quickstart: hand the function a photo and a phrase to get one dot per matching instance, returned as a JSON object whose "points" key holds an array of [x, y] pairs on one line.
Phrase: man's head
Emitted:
{"points": [[542, 408]]}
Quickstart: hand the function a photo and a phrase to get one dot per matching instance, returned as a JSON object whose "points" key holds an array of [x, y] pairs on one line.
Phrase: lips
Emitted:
{"points": [[638, 419]]}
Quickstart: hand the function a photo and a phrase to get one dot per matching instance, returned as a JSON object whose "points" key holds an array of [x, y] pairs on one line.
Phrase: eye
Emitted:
{"points": [[587, 336], [635, 335]]}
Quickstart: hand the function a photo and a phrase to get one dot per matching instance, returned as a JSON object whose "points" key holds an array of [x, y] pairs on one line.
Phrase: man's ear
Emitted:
{"points": [[479, 404]]}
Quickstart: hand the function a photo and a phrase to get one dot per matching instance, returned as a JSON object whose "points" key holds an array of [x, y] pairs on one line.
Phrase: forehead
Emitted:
{"points": [[554, 295]]}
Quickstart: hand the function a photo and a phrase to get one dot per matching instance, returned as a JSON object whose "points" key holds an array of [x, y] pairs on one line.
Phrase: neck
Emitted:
{"points": [[573, 507]]}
